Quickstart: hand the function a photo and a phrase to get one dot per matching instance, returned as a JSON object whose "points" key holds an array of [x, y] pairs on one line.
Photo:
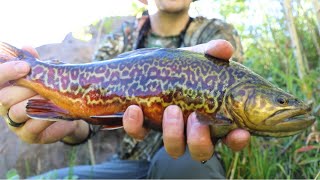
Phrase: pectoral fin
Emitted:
{"points": [[216, 120], [219, 125], [44, 109]]}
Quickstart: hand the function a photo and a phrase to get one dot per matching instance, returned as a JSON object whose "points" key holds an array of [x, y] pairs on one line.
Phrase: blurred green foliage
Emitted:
{"points": [[268, 51], [12, 174], [266, 40]]}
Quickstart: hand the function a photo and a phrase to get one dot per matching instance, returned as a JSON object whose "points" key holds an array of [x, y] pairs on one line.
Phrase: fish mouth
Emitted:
{"points": [[292, 116]]}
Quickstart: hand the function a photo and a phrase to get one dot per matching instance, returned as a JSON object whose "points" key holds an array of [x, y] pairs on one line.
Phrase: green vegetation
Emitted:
{"points": [[269, 50], [12, 174]]}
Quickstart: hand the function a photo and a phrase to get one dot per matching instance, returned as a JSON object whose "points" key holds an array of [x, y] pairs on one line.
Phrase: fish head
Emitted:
{"points": [[266, 110]]}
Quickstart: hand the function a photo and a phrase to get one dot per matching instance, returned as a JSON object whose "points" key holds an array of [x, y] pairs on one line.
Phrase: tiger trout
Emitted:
{"points": [[224, 94]]}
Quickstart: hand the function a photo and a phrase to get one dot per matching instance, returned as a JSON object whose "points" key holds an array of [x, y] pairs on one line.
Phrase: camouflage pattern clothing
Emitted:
{"points": [[134, 35]]}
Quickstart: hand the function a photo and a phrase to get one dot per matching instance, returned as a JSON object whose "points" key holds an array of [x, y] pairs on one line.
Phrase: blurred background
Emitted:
{"points": [[281, 41]]}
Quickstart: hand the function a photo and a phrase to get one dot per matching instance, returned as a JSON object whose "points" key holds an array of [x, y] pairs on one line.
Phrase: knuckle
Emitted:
{"points": [[46, 137], [130, 127], [28, 138], [30, 131], [172, 123], [201, 154], [137, 133], [5, 98], [136, 136], [174, 153], [199, 142], [202, 141], [175, 150], [171, 135], [131, 132], [8, 71], [14, 112]]}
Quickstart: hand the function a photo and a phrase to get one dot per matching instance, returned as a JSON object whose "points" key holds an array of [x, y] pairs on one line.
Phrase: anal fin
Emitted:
{"points": [[44, 109], [109, 122]]}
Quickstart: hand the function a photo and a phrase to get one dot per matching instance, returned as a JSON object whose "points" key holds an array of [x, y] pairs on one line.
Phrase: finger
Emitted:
{"points": [[14, 94], [44, 132], [200, 48], [31, 50], [220, 48], [133, 122], [173, 131], [199, 139], [13, 70], [17, 112], [57, 131], [38, 131], [237, 139]]}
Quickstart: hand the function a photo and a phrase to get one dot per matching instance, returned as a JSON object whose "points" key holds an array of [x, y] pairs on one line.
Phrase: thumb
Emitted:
{"points": [[219, 48], [13, 70], [31, 50]]}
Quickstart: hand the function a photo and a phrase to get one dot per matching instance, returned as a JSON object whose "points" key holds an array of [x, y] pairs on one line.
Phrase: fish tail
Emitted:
{"points": [[11, 53]]}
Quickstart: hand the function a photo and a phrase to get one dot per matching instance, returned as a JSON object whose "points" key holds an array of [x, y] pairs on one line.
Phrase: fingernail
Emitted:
{"points": [[133, 114], [173, 113], [21, 67], [194, 118]]}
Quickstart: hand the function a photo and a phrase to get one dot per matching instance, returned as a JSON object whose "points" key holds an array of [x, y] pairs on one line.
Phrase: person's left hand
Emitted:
{"points": [[198, 135]]}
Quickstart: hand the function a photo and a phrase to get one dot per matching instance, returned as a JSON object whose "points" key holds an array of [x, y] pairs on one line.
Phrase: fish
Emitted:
{"points": [[225, 95]]}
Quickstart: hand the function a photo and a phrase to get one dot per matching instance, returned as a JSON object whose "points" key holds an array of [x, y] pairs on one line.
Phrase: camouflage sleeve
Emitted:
{"points": [[115, 43], [218, 29], [207, 30]]}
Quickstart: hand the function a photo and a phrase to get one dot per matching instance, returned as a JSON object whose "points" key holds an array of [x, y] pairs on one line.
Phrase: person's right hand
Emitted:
{"points": [[13, 100]]}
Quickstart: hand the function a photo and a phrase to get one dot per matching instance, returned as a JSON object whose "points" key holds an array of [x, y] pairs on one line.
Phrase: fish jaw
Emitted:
{"points": [[293, 119]]}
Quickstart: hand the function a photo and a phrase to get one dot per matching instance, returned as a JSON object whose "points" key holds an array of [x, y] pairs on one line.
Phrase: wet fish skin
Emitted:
{"points": [[224, 94]]}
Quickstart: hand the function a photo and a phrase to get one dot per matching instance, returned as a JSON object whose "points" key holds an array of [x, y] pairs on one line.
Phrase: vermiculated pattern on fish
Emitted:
{"points": [[224, 94]]}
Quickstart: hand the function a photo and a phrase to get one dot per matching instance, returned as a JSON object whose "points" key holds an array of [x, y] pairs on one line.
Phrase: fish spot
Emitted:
{"points": [[100, 69], [241, 92], [74, 73]]}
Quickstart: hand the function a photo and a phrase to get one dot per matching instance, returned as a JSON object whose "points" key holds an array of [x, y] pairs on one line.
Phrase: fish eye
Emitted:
{"points": [[282, 100]]}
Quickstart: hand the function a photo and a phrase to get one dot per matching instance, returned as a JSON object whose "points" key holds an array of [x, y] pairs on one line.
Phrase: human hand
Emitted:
{"points": [[198, 135], [13, 100]]}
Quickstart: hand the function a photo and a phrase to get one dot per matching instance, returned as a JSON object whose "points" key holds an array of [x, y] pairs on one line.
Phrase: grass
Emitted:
{"points": [[267, 158], [278, 158], [72, 158]]}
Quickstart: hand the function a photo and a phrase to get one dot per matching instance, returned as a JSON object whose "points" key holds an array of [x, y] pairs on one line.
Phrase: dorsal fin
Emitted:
{"points": [[53, 61], [136, 52]]}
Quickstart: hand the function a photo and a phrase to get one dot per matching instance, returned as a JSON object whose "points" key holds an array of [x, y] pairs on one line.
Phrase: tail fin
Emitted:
{"points": [[11, 53]]}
